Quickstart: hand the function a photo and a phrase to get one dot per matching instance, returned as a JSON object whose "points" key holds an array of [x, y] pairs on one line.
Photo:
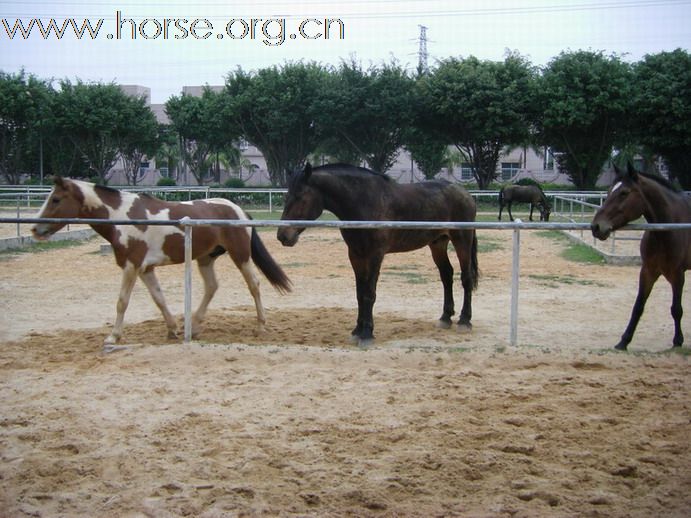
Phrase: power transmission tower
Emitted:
{"points": [[422, 67]]}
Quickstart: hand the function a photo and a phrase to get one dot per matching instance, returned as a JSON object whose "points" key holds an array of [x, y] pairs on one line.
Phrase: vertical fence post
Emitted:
{"points": [[188, 279], [515, 268]]}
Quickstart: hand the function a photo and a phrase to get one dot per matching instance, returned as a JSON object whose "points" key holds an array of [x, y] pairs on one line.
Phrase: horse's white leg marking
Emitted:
{"points": [[252, 281], [129, 277], [151, 281], [210, 287]]}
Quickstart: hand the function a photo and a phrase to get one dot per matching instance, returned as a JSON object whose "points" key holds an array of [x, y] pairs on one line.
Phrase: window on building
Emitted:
{"points": [[466, 172], [509, 170]]}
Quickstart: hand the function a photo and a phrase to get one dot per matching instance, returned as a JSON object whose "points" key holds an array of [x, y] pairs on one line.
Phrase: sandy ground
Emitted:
{"points": [[297, 421]]}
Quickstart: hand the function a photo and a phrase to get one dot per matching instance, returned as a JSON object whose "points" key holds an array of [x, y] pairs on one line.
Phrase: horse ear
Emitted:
{"points": [[58, 181], [631, 172], [307, 171]]}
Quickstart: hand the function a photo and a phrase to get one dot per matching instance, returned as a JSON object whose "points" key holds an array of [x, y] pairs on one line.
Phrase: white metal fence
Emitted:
{"points": [[516, 227]]}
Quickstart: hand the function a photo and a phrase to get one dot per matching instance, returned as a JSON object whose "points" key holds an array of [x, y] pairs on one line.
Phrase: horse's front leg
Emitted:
{"points": [[645, 286], [508, 208], [129, 277], [366, 276], [677, 283], [531, 211], [151, 282]]}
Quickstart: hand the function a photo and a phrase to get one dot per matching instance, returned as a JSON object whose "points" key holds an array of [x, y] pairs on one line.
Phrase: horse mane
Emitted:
{"points": [[105, 188], [338, 170], [661, 181]]}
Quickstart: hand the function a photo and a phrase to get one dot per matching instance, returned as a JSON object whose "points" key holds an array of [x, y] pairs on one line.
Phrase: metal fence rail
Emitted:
{"points": [[188, 224]]}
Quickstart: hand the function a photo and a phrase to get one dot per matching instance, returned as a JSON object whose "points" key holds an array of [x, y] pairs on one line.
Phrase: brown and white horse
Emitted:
{"points": [[139, 249]]}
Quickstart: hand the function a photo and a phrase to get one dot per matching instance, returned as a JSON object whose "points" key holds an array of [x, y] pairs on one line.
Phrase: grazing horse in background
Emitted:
{"points": [[358, 194], [532, 194], [139, 249], [664, 252]]}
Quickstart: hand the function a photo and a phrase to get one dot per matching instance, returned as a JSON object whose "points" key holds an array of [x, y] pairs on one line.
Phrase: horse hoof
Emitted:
{"points": [[365, 343], [464, 328], [444, 324], [107, 349], [620, 347], [110, 340], [172, 335]]}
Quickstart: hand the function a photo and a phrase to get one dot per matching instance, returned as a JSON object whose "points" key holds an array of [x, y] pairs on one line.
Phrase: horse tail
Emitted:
{"points": [[474, 268], [270, 268]]}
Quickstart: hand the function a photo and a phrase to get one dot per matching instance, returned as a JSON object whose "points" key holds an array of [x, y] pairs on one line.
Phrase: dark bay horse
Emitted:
{"points": [[664, 252], [358, 194], [532, 194], [140, 249]]}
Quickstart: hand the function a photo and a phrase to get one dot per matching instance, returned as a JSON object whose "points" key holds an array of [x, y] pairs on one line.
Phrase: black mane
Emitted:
{"points": [[662, 181], [338, 169]]}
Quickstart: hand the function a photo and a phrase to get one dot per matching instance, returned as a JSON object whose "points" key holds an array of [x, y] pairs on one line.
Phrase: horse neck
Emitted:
{"points": [[99, 205], [661, 205], [339, 196]]}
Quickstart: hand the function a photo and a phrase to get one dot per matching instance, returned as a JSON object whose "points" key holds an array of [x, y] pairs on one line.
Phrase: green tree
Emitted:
{"points": [[662, 109], [365, 113], [274, 110], [203, 131], [24, 108], [481, 107], [168, 153], [583, 98], [102, 123]]}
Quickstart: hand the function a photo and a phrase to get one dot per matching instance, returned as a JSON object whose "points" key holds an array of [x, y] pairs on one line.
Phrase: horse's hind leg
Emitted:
{"points": [[441, 259], [151, 282], [129, 277], [464, 243], [252, 281], [206, 270]]}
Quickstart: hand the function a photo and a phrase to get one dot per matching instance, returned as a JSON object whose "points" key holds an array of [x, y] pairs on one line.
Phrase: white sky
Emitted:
{"points": [[374, 31]]}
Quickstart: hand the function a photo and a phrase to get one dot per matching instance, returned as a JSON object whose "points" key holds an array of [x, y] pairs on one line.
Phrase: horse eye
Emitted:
{"points": [[56, 201]]}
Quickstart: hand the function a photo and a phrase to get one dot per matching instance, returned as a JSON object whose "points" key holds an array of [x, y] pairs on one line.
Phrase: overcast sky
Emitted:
{"points": [[181, 43]]}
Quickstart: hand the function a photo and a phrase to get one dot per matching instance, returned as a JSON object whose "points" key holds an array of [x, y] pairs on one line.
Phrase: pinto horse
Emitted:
{"points": [[139, 249], [358, 194], [664, 252], [532, 194]]}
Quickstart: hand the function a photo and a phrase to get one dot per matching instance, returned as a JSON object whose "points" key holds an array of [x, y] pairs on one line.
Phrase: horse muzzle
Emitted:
{"points": [[601, 230], [288, 236], [41, 231]]}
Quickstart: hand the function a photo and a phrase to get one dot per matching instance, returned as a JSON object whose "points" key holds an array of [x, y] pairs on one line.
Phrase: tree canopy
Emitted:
{"points": [[662, 109], [480, 106], [583, 97], [274, 110]]}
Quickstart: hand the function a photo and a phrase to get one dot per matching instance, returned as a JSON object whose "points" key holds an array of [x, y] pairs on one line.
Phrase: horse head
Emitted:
{"points": [[624, 203], [64, 201], [303, 202]]}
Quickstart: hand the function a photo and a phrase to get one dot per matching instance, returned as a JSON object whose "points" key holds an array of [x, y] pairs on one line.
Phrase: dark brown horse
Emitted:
{"points": [[532, 194], [358, 194], [139, 249], [664, 252]]}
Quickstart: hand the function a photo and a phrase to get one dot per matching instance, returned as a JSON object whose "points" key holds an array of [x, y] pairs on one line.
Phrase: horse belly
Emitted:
{"points": [[409, 240]]}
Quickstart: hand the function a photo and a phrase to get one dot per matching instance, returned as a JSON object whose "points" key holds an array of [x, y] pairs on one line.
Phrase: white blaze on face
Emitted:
{"points": [[616, 186]]}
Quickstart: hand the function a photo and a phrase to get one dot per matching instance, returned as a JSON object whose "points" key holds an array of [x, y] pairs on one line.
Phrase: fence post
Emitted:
{"points": [[515, 268], [188, 279]]}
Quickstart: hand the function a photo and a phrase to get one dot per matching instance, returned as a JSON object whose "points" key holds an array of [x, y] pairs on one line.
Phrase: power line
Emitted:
{"points": [[325, 11]]}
